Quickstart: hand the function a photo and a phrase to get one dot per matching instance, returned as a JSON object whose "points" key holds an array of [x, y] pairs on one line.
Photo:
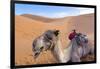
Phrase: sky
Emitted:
{"points": [[51, 11]]}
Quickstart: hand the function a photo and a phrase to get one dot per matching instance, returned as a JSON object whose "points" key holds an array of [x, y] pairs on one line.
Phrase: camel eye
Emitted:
{"points": [[41, 48]]}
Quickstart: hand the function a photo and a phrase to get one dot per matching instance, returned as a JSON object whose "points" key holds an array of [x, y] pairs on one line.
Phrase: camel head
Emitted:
{"points": [[45, 42], [81, 38]]}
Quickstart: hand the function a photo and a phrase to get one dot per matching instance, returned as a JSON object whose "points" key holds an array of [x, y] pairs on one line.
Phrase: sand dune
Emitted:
{"points": [[39, 18], [28, 27]]}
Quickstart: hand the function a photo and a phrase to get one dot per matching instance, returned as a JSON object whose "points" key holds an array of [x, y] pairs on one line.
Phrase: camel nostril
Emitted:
{"points": [[36, 54]]}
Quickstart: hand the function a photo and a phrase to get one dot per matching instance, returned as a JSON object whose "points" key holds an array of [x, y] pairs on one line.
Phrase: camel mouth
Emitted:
{"points": [[36, 55]]}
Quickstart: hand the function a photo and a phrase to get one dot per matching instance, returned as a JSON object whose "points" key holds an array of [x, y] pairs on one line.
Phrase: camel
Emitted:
{"points": [[73, 52], [77, 48]]}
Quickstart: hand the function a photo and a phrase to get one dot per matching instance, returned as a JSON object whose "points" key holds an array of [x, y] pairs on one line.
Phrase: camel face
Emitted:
{"points": [[44, 42], [80, 39], [81, 50], [85, 38]]}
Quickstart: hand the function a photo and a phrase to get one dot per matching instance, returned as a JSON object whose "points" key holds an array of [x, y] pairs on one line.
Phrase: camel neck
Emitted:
{"points": [[57, 52]]}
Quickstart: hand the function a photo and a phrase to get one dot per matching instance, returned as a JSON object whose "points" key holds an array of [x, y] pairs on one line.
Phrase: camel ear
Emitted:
{"points": [[56, 32]]}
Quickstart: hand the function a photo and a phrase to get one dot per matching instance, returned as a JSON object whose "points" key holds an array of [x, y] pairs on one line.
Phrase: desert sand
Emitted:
{"points": [[28, 27]]}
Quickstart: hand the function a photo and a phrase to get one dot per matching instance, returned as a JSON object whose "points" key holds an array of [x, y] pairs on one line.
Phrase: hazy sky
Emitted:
{"points": [[50, 11]]}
